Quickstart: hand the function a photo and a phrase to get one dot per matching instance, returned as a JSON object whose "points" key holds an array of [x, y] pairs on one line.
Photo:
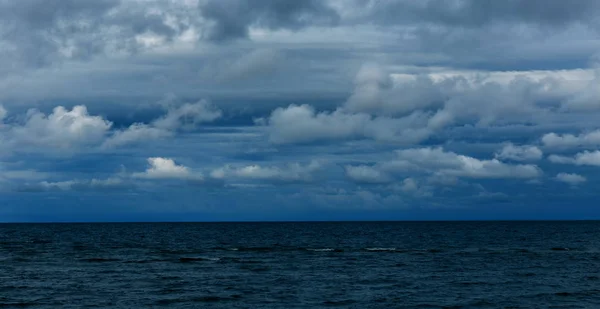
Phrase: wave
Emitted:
{"points": [[199, 299], [377, 249], [99, 260], [334, 303], [198, 259], [145, 261], [324, 250]]}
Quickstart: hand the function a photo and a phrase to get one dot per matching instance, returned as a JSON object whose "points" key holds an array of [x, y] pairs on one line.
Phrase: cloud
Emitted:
{"points": [[441, 163], [3, 113], [519, 153], [589, 139], [253, 65], [302, 124], [63, 129], [442, 82], [232, 19], [22, 174], [38, 33], [366, 174], [137, 132], [571, 179], [73, 130], [413, 187], [436, 165], [165, 168], [294, 172], [185, 117], [474, 14], [188, 116], [587, 99], [485, 103], [583, 158], [410, 111], [375, 92], [108, 184]]}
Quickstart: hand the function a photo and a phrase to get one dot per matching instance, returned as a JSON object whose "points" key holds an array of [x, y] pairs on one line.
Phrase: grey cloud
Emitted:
{"points": [[188, 116], [366, 174], [485, 103], [588, 99], [441, 163], [10, 178], [331, 197], [376, 93], [484, 34], [108, 184], [185, 117], [565, 141], [519, 153], [302, 124], [232, 18], [435, 167], [255, 64], [294, 172], [571, 179], [413, 187], [583, 158], [378, 109], [135, 133], [38, 33], [3, 113], [475, 13]]}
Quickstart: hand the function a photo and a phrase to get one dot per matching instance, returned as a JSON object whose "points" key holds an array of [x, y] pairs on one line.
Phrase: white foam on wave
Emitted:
{"points": [[380, 249], [321, 250]]}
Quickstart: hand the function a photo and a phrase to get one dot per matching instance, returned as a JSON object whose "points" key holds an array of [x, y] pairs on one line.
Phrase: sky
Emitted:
{"points": [[261, 110]]}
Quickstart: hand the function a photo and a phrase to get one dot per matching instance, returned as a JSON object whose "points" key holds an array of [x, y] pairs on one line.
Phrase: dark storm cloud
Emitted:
{"points": [[232, 18]]}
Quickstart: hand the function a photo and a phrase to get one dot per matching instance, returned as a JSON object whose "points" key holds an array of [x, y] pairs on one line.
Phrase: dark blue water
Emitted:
{"points": [[301, 265]]}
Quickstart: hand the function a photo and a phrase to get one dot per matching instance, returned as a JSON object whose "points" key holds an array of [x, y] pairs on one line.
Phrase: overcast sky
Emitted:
{"points": [[186, 110]]}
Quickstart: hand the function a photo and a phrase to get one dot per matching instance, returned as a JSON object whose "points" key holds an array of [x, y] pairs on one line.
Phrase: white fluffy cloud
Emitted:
{"points": [[165, 168], [62, 129], [572, 179], [72, 130], [589, 139], [519, 153], [293, 172], [582, 158]]}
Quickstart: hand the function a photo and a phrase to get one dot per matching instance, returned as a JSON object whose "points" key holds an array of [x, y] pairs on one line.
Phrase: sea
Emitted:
{"points": [[301, 265]]}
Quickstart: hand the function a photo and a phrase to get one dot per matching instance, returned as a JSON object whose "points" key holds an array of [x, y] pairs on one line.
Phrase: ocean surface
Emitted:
{"points": [[301, 265]]}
